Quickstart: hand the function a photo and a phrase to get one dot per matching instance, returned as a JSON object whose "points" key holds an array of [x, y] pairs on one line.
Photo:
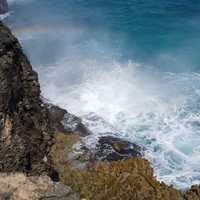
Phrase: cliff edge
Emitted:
{"points": [[25, 136]]}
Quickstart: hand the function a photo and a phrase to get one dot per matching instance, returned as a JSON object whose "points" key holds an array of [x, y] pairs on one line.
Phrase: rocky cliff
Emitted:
{"points": [[3, 6], [25, 135], [39, 140]]}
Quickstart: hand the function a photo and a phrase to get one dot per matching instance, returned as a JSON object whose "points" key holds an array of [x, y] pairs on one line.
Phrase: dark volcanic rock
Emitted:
{"points": [[25, 136], [112, 149], [63, 121], [3, 6], [108, 147]]}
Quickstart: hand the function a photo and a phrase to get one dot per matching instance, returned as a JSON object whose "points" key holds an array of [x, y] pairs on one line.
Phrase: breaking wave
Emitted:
{"points": [[81, 71], [159, 111]]}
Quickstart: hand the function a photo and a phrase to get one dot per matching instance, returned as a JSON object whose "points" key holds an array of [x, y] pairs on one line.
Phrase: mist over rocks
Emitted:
{"points": [[3, 6], [63, 121]]}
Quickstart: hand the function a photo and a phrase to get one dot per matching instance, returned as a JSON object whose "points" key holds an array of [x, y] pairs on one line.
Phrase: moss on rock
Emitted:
{"points": [[130, 179]]}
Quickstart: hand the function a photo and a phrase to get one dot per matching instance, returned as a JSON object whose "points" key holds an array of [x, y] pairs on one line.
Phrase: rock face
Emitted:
{"points": [[25, 135], [3, 6]]}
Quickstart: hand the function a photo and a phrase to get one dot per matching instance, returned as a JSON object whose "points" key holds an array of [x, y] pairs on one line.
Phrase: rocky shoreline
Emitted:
{"points": [[42, 153]]}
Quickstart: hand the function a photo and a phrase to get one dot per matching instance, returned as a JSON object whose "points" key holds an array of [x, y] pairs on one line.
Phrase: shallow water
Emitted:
{"points": [[130, 68]]}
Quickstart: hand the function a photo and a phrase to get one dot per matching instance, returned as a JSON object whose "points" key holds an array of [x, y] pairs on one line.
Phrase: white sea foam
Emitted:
{"points": [[2, 17], [158, 110], [155, 111]]}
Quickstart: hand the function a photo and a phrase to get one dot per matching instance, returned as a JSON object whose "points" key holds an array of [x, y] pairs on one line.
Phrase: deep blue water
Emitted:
{"points": [[164, 33], [133, 63]]}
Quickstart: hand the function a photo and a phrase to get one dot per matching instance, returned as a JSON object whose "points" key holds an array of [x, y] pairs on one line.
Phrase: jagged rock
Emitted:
{"points": [[63, 121], [108, 147], [193, 193], [3, 6], [129, 179], [25, 134], [20, 187], [112, 149]]}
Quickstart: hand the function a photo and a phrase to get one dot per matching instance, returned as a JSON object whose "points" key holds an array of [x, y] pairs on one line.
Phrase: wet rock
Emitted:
{"points": [[112, 149], [25, 134], [3, 6], [63, 121]]}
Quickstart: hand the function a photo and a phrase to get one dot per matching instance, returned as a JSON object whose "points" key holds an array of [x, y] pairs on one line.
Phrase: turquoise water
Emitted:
{"points": [[133, 64], [162, 33]]}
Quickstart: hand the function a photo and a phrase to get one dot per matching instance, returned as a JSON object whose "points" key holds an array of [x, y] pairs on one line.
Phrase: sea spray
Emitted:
{"points": [[158, 111], [128, 68], [155, 109]]}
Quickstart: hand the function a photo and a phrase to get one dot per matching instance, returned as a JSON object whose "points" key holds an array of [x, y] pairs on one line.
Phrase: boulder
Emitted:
{"points": [[65, 122], [112, 149]]}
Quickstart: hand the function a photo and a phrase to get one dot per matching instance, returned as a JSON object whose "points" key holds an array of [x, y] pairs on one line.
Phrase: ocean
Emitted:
{"points": [[128, 68]]}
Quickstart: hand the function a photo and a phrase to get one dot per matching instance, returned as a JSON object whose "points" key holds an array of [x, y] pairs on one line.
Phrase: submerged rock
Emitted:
{"points": [[3, 6], [63, 121], [112, 149]]}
